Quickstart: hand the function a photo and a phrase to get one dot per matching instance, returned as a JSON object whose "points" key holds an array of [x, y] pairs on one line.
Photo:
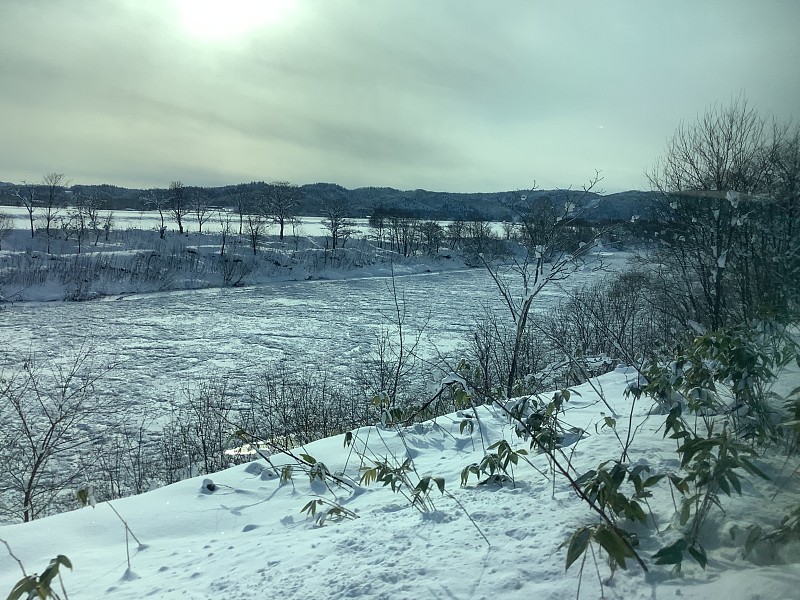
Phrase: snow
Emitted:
{"points": [[247, 538], [241, 532]]}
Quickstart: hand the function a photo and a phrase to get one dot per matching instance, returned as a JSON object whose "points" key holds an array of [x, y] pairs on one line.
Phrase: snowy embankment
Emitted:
{"points": [[247, 538], [140, 261]]}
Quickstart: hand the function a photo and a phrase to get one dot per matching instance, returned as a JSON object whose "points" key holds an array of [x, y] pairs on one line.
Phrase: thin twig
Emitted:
{"points": [[14, 556]]}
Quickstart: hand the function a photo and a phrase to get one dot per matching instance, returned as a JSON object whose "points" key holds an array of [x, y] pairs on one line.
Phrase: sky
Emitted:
{"points": [[452, 95]]}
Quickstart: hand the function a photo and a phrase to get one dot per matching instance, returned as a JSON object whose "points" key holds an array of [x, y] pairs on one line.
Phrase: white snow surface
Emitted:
{"points": [[248, 538]]}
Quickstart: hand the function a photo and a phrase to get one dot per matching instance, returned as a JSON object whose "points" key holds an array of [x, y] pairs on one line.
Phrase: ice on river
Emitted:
{"points": [[166, 340]]}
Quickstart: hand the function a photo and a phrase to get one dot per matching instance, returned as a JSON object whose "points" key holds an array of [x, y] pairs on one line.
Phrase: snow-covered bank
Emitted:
{"points": [[139, 261], [248, 538]]}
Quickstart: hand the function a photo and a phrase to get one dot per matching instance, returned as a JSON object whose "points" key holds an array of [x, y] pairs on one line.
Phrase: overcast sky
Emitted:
{"points": [[451, 95]]}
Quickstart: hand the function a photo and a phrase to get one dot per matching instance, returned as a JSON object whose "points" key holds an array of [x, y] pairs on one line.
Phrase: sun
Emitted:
{"points": [[226, 19]]}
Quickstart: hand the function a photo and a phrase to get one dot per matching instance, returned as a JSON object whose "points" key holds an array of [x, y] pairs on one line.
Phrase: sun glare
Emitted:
{"points": [[226, 19]]}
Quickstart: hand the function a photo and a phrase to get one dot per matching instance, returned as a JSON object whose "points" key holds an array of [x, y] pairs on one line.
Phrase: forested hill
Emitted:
{"points": [[362, 202]]}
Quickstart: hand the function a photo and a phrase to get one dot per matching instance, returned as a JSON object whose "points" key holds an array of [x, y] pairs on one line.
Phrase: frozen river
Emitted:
{"points": [[167, 340]]}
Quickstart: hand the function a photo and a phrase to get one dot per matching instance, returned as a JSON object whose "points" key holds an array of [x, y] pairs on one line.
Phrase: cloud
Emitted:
{"points": [[455, 95]]}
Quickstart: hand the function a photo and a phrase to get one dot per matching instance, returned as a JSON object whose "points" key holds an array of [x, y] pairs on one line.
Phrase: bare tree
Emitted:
{"points": [[241, 203], [200, 206], [282, 198], [225, 230], [27, 196], [432, 235], [6, 226], [91, 206], [781, 234], [48, 195], [378, 223], [49, 410], [126, 461], [297, 230], [455, 231], [108, 223], [257, 221], [75, 223], [158, 201], [336, 222], [255, 228], [178, 203], [52, 200], [715, 178], [83, 218], [403, 232], [394, 363], [550, 253], [478, 239]]}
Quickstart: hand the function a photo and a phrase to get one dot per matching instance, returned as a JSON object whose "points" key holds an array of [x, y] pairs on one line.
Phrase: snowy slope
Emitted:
{"points": [[248, 538]]}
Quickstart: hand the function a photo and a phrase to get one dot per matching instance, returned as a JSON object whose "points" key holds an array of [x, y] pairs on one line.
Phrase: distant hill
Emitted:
{"points": [[417, 203], [624, 205]]}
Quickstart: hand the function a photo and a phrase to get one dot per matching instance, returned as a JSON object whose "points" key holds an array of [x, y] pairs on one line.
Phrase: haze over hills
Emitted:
{"points": [[362, 202]]}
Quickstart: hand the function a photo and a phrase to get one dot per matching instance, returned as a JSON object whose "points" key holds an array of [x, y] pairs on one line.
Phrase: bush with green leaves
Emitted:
{"points": [[720, 414], [497, 464], [715, 392]]}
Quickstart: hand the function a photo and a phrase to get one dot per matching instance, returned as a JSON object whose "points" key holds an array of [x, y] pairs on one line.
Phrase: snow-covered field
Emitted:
{"points": [[150, 220], [248, 538]]}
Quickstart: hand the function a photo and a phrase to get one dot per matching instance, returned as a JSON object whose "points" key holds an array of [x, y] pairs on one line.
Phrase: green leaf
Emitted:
{"points": [[348, 438], [634, 512], [473, 468], [650, 481], [686, 510], [672, 554], [311, 507], [697, 552], [613, 543], [752, 469], [577, 545], [309, 459], [734, 479], [439, 481], [586, 477], [680, 484], [26, 585]]}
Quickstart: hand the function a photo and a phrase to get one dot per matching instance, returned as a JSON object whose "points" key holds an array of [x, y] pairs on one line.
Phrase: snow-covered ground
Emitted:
{"points": [[248, 538], [150, 220]]}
